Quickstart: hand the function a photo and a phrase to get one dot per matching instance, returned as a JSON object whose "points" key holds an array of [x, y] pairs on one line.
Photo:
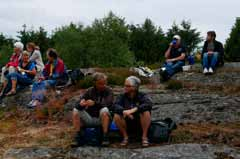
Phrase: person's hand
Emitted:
{"points": [[210, 52], [41, 79], [127, 113], [83, 103], [90, 103]]}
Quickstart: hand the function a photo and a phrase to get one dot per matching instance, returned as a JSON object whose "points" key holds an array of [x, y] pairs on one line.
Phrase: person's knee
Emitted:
{"points": [[117, 117], [205, 55], [105, 115], [4, 69], [145, 114], [215, 54], [75, 114]]}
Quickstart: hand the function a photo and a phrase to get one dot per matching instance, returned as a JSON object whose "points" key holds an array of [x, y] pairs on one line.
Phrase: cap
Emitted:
{"points": [[177, 37]]}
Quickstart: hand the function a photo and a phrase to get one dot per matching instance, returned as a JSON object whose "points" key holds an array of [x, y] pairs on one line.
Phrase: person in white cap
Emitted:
{"points": [[12, 65], [175, 59]]}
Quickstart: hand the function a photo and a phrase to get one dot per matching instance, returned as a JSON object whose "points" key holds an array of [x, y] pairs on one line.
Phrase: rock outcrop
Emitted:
{"points": [[178, 151]]}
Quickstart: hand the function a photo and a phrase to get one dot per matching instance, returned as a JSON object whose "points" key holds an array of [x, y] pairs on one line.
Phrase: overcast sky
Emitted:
{"points": [[218, 15]]}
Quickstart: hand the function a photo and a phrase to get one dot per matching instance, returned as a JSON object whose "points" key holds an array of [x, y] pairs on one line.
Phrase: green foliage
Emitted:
{"points": [[190, 36], [147, 42], [5, 53], [103, 44], [39, 37], [232, 47]]}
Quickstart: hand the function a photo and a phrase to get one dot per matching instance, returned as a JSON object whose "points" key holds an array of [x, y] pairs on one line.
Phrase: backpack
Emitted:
{"points": [[160, 130], [91, 137], [75, 75]]}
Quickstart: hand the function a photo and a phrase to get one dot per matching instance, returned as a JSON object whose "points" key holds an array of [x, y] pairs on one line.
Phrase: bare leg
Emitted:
{"points": [[145, 119], [121, 124], [76, 120], [14, 85], [105, 122]]}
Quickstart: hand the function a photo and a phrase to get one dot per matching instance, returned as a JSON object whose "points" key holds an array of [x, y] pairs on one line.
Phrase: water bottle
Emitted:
{"points": [[174, 42], [191, 60]]}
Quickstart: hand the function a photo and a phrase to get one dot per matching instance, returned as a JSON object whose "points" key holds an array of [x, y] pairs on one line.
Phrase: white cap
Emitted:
{"points": [[177, 37], [18, 45]]}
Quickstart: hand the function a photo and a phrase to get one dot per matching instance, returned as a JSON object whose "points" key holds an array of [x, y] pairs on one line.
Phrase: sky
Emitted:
{"points": [[218, 15]]}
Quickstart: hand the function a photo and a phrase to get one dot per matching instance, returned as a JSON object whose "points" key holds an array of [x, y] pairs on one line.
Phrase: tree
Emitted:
{"points": [[39, 37], [190, 36], [147, 42], [102, 44], [232, 47], [6, 49]]}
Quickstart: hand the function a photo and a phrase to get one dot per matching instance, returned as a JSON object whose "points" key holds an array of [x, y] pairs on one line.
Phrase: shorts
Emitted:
{"points": [[89, 121]]}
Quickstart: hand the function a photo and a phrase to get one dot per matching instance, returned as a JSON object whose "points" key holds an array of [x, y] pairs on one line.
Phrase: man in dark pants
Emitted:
{"points": [[133, 108], [175, 59], [94, 108], [212, 53]]}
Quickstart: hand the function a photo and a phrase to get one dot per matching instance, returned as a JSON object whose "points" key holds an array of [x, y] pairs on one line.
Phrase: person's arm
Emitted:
{"points": [[167, 53], [145, 104], [179, 58], [118, 106], [31, 72], [34, 56]]}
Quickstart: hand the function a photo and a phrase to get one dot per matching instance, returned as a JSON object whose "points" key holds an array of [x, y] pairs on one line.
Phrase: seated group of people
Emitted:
{"points": [[212, 56], [26, 68], [97, 108]]}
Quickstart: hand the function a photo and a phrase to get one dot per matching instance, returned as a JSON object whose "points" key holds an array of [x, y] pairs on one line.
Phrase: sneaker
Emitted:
{"points": [[105, 141], [33, 104], [205, 71], [164, 75], [210, 70]]}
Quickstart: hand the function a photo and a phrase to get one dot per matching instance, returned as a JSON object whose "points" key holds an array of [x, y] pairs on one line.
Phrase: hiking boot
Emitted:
{"points": [[105, 141], [210, 70], [164, 75], [205, 71]]}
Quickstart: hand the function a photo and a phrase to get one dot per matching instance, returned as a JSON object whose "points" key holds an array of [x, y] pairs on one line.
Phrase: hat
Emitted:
{"points": [[18, 45], [177, 37]]}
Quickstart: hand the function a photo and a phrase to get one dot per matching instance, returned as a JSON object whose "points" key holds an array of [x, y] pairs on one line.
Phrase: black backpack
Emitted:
{"points": [[75, 75], [90, 137], [160, 130]]}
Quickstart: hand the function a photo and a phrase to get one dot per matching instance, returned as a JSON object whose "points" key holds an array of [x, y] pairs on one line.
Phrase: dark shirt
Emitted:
{"points": [[30, 66], [177, 52], [142, 101], [102, 99], [218, 47]]}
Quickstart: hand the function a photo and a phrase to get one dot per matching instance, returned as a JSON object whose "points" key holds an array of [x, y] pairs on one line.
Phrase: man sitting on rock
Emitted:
{"points": [[212, 53], [132, 111], [93, 109], [175, 59]]}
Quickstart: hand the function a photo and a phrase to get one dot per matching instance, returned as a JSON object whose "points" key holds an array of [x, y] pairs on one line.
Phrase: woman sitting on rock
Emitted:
{"points": [[54, 73], [36, 56], [24, 76], [132, 111]]}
